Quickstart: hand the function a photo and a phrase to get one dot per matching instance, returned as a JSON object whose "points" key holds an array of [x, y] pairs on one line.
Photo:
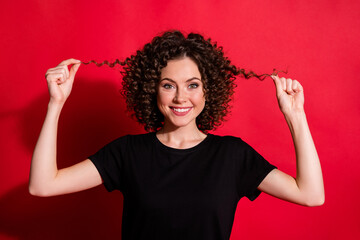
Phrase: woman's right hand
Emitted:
{"points": [[60, 80], [45, 177]]}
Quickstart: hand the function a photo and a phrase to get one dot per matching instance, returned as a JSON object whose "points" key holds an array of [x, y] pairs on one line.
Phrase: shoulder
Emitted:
{"points": [[137, 139], [235, 144], [228, 140]]}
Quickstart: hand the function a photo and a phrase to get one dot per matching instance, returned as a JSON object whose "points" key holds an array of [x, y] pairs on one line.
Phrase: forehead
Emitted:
{"points": [[180, 69]]}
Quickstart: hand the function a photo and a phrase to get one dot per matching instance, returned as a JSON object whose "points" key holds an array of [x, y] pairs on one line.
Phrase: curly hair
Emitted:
{"points": [[141, 75]]}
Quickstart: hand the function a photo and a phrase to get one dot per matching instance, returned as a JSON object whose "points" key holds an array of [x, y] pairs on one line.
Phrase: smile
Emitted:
{"points": [[180, 111]]}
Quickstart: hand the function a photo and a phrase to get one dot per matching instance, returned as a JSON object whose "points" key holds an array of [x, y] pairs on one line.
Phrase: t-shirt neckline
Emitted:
{"points": [[185, 150]]}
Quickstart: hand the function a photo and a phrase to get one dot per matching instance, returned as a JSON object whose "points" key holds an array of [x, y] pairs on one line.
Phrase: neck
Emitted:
{"points": [[180, 137]]}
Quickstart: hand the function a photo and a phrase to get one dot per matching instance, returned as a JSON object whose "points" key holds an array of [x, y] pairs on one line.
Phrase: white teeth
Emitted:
{"points": [[181, 109]]}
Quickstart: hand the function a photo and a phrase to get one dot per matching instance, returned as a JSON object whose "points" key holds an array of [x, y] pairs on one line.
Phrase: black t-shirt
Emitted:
{"points": [[180, 193]]}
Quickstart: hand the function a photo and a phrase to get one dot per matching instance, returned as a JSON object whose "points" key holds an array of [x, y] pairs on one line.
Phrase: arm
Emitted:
{"points": [[307, 188], [45, 178]]}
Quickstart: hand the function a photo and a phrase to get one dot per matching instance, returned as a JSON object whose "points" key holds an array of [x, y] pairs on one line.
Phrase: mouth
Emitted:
{"points": [[180, 111]]}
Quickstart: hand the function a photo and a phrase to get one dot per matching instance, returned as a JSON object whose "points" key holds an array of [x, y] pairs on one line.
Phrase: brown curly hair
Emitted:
{"points": [[141, 75]]}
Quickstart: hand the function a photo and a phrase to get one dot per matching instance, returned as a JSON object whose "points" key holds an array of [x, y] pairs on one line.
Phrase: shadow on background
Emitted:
{"points": [[93, 116], [92, 214]]}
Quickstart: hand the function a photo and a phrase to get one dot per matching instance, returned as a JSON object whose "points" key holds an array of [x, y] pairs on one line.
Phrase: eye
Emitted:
{"points": [[168, 86], [193, 85]]}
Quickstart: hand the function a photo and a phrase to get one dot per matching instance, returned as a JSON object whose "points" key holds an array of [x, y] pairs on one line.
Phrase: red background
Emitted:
{"points": [[317, 40]]}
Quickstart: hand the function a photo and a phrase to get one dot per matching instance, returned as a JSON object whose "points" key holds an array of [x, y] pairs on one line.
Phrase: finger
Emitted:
{"points": [[58, 77], [278, 84], [283, 83], [74, 68], [296, 86], [58, 74], [289, 86], [65, 70], [69, 61], [61, 70]]}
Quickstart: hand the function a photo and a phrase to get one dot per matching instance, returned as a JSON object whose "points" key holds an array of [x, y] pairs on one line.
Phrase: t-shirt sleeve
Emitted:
{"points": [[109, 161], [253, 169]]}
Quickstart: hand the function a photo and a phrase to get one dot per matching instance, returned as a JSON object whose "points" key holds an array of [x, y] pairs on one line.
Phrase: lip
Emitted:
{"points": [[183, 113]]}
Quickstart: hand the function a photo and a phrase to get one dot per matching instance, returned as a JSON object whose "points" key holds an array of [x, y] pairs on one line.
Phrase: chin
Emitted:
{"points": [[179, 124]]}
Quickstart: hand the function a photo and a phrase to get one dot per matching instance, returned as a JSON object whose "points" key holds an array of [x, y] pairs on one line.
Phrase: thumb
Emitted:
{"points": [[74, 68]]}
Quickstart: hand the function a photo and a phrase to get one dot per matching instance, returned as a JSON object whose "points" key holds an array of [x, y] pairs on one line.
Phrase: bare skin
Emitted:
{"points": [[307, 188], [180, 90], [45, 178]]}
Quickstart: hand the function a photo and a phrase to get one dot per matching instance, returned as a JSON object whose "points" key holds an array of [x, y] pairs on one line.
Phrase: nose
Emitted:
{"points": [[180, 96]]}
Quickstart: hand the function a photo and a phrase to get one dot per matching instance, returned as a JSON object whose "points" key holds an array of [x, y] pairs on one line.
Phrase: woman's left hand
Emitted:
{"points": [[290, 95]]}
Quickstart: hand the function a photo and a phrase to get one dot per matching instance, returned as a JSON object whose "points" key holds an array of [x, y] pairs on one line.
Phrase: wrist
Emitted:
{"points": [[55, 105], [296, 120], [295, 115]]}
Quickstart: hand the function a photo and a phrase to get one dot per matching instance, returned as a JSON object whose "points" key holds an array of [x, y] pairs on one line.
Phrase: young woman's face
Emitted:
{"points": [[180, 95]]}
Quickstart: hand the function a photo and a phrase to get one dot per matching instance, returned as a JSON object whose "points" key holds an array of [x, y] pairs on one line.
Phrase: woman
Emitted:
{"points": [[178, 181]]}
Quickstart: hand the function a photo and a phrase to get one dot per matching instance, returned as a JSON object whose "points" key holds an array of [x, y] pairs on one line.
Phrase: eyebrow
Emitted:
{"points": [[190, 79]]}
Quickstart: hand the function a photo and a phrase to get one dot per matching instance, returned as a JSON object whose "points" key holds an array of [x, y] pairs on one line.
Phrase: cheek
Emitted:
{"points": [[159, 102], [163, 100], [160, 105], [200, 98]]}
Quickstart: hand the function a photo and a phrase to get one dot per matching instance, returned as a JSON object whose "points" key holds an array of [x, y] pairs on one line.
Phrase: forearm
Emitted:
{"points": [[43, 165], [308, 169]]}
